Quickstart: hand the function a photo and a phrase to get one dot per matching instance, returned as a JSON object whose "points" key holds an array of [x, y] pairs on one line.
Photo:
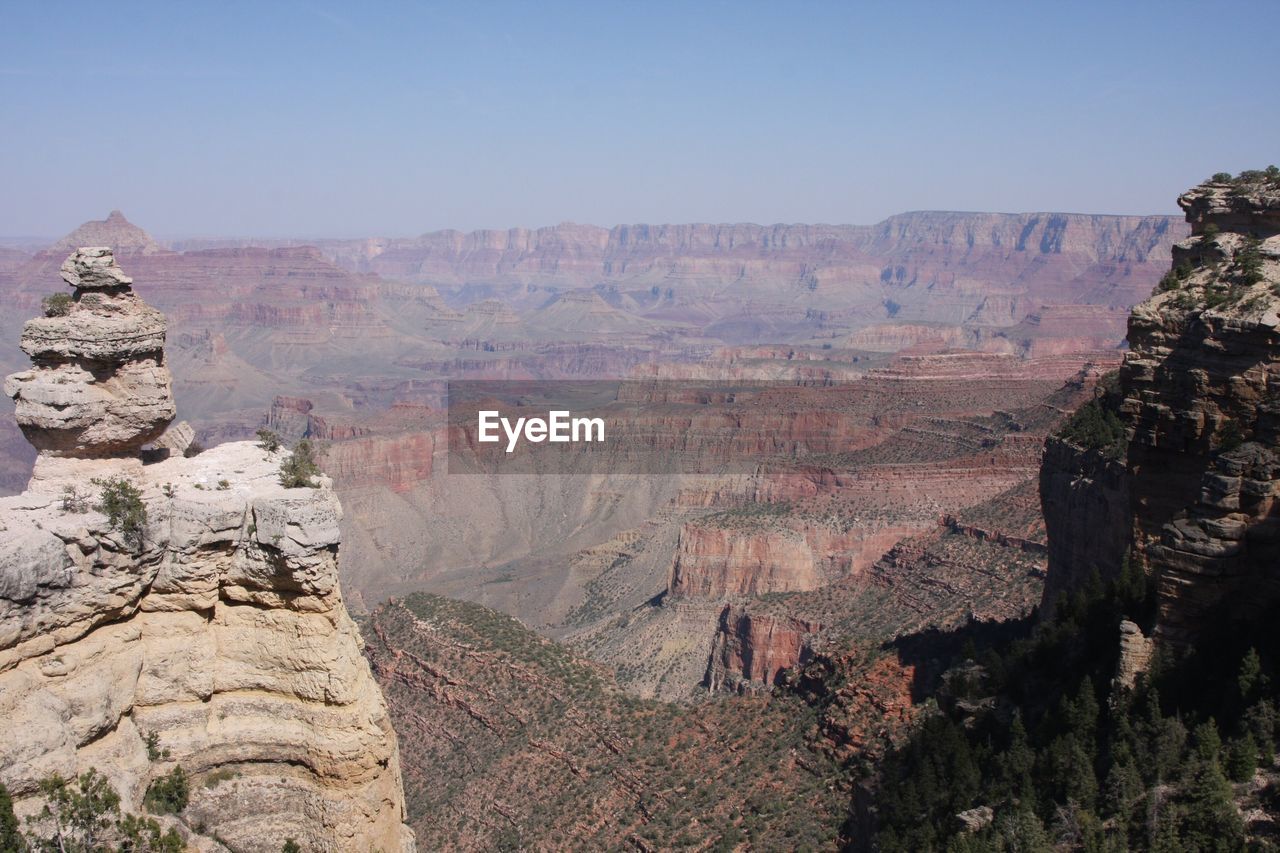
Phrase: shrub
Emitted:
{"points": [[143, 833], [223, 485], [1174, 278], [10, 837], [1221, 178], [299, 468], [56, 304], [1231, 436], [121, 502], [268, 440], [170, 793], [154, 752], [74, 500]]}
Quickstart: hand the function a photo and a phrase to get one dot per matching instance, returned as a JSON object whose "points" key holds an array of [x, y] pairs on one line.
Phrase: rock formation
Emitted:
{"points": [[1199, 396], [114, 231], [98, 385], [1085, 495], [1135, 654], [1202, 398], [199, 625], [752, 651]]}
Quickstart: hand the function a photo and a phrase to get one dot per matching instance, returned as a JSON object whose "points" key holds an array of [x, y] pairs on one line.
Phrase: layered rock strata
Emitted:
{"points": [[98, 385], [207, 632], [1202, 400], [1199, 396], [751, 651]]}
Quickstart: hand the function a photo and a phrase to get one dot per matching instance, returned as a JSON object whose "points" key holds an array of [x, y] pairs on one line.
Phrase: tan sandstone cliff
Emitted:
{"points": [[215, 628]]}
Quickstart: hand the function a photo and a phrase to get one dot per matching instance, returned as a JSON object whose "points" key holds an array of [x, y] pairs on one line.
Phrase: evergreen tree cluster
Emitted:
{"points": [[1250, 178], [1097, 425], [1066, 760]]}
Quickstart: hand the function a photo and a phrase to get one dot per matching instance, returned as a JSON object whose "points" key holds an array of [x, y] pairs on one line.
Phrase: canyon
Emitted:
{"points": [[904, 379]]}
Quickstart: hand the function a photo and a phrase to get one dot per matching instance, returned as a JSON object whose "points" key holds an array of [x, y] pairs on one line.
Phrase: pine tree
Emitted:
{"points": [[1122, 789], [1241, 759], [1260, 719], [1017, 762], [1211, 821], [1252, 679]]}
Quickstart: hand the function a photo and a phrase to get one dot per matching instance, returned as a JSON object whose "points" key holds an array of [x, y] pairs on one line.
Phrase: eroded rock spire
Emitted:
{"points": [[98, 385]]}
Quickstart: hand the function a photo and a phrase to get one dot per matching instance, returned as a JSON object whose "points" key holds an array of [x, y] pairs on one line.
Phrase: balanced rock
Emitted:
{"points": [[98, 385], [94, 268]]}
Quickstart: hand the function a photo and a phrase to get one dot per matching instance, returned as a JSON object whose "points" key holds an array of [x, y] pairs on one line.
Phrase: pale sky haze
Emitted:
{"points": [[313, 119]]}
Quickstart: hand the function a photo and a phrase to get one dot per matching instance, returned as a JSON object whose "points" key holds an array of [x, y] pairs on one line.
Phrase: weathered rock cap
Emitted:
{"points": [[94, 268], [137, 332], [1245, 206]]}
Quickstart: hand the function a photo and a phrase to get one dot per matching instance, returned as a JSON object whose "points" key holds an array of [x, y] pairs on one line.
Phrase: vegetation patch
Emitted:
{"points": [[299, 469], [56, 304], [1097, 425], [83, 814], [1039, 742], [121, 502], [170, 793]]}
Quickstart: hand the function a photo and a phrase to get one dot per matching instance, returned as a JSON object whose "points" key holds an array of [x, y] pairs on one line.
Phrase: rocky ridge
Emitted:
{"points": [[196, 622]]}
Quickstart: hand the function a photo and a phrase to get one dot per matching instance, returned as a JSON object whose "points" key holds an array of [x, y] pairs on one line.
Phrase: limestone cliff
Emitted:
{"points": [[1199, 399], [211, 625]]}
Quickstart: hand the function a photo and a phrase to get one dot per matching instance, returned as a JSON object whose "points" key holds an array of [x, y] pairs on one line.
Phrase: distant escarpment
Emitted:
{"points": [[172, 622], [1179, 466]]}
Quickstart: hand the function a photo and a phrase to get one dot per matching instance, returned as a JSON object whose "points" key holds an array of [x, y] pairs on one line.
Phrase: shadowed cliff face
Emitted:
{"points": [[1199, 397], [179, 613]]}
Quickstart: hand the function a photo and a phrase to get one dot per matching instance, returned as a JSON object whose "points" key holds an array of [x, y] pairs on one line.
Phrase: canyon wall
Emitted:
{"points": [[1200, 404], [1085, 495], [184, 612]]}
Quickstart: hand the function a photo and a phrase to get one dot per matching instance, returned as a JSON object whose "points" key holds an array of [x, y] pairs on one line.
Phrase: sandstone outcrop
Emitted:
{"points": [[208, 633], [1135, 654], [1202, 399], [98, 384]]}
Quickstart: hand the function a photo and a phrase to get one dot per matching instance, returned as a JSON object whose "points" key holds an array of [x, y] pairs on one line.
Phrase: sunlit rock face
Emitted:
{"points": [[98, 385], [213, 624]]}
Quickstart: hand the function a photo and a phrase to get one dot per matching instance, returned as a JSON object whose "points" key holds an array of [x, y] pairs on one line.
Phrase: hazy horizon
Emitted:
{"points": [[311, 121], [41, 239]]}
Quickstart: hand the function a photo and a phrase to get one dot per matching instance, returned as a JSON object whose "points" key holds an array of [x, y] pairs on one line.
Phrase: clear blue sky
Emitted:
{"points": [[323, 119]]}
